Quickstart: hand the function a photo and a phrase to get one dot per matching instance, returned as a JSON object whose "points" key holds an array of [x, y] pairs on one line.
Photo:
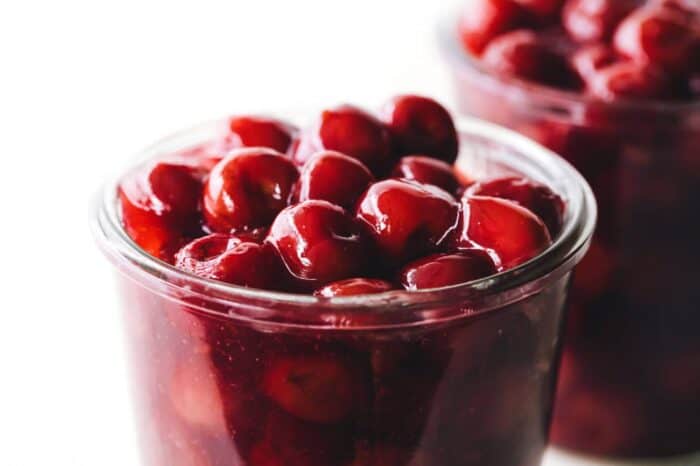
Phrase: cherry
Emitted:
{"points": [[353, 287], [427, 170], [321, 388], [407, 219], [160, 206], [351, 131], [486, 19], [594, 20], [537, 198], [522, 54], [333, 177], [195, 395], [247, 189], [658, 36], [319, 243], [588, 60], [513, 233], [629, 80], [447, 269], [420, 125], [230, 259], [250, 131]]}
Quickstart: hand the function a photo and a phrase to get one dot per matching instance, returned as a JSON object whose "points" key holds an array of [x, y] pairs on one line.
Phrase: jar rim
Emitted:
{"points": [[513, 284], [545, 96]]}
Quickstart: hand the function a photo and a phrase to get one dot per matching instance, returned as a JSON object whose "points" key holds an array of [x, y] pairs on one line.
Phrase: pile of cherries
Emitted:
{"points": [[608, 49], [355, 204]]}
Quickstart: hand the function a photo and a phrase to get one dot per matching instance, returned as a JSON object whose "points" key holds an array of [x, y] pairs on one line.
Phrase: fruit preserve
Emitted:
{"points": [[614, 87], [373, 290]]}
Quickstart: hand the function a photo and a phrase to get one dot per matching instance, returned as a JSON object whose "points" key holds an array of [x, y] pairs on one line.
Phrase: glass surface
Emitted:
{"points": [[463, 375], [630, 376]]}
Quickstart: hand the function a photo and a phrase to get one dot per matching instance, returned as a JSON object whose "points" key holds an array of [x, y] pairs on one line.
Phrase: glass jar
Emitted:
{"points": [[463, 375], [630, 377]]}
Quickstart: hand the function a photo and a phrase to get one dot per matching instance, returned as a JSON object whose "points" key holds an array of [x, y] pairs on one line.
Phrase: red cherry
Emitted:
{"points": [[247, 189], [407, 219], [629, 80], [420, 125], [252, 131], [353, 287], [484, 20], [351, 131], [319, 242], [588, 60], [321, 388], [232, 260], [447, 269], [513, 233], [427, 170], [522, 54], [160, 206], [594, 20], [658, 36], [537, 198], [334, 177]]}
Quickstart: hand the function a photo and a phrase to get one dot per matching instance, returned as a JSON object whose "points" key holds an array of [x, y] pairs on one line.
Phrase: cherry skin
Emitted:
{"points": [[407, 219], [486, 19], [334, 177], [594, 20], [160, 206], [321, 388], [513, 233], [537, 198], [232, 260], [427, 170], [657, 36], [420, 125], [250, 131], [447, 269], [350, 131], [629, 80], [319, 243], [542, 9], [588, 60], [522, 54], [247, 189], [354, 287]]}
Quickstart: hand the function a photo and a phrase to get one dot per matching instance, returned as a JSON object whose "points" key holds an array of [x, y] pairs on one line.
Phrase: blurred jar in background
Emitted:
{"points": [[613, 87]]}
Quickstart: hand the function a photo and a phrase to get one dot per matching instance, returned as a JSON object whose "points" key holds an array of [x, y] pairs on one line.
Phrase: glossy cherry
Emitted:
{"points": [[447, 269], [160, 206], [407, 219], [594, 20], [658, 36], [588, 60], [354, 287], [255, 131], [319, 242], [427, 170], [351, 131], [513, 233], [537, 198], [333, 177], [420, 125], [247, 189], [321, 388], [524, 55], [232, 260], [484, 20], [629, 80]]}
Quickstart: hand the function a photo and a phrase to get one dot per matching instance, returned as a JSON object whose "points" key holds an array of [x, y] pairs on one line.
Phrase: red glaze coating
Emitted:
{"points": [[252, 131], [447, 269]]}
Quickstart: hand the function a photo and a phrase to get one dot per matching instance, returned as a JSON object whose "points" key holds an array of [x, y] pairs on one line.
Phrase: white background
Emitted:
{"points": [[85, 84]]}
